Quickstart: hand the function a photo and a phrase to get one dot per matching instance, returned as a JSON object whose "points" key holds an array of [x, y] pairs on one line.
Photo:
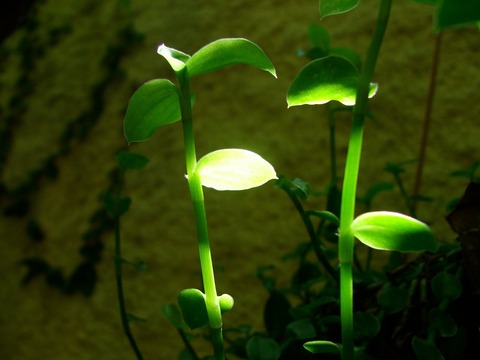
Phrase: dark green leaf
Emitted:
{"points": [[276, 314], [446, 286], [173, 314], [442, 322], [425, 350], [224, 52], [325, 215], [386, 230], [132, 318], [116, 205], [348, 54], [453, 13], [302, 329], [262, 348], [153, 105], [319, 37], [332, 7], [393, 299], [366, 326], [193, 307], [131, 161], [324, 80]]}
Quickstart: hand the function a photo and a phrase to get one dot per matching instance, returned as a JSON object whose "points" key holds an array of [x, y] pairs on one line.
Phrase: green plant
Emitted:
{"points": [[160, 102], [382, 298]]}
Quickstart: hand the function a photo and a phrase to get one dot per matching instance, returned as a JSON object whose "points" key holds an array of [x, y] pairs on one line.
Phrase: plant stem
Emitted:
{"points": [[118, 276], [427, 120], [346, 241], [196, 192]]}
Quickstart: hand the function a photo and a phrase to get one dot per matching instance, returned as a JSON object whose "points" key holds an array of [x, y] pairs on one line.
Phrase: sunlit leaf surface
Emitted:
{"points": [[324, 80], [153, 105], [385, 230], [224, 52], [234, 169]]}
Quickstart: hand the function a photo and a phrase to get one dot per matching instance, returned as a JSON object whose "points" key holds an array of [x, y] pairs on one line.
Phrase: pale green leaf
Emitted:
{"points": [[175, 58], [234, 169], [324, 80], [385, 230], [322, 347], [333, 7], [153, 105], [224, 52], [193, 307]]}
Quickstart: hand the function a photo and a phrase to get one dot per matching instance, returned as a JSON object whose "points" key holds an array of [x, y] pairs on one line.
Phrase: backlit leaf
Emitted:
{"points": [[324, 80], [175, 58], [224, 52], [332, 7], [234, 169], [385, 230], [153, 105], [322, 347]]}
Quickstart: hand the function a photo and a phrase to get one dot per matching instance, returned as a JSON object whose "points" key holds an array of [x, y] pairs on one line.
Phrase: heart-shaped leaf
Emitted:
{"points": [[131, 161], [426, 350], [153, 105], [385, 230], [333, 7], [262, 348], [326, 79], [234, 169], [193, 307], [224, 52]]}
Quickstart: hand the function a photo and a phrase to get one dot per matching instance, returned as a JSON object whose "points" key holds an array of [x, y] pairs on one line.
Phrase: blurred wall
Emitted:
{"points": [[66, 77]]}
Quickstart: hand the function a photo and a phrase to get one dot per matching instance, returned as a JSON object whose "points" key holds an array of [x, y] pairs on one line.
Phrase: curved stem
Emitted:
{"points": [[427, 120], [196, 192], [346, 241], [118, 277]]}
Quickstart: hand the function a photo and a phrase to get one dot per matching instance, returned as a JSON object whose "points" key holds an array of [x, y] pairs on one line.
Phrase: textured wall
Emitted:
{"points": [[66, 92]]}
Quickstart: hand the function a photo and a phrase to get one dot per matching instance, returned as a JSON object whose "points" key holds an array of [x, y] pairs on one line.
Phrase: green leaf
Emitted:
{"points": [[365, 326], [333, 7], [453, 13], [131, 161], [175, 58], [425, 350], [319, 37], [322, 347], [446, 286], [234, 169], [262, 348], [393, 299], [224, 52], [385, 230], [442, 322], [172, 313], [324, 80], [193, 307], [325, 215], [153, 105], [116, 205]]}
